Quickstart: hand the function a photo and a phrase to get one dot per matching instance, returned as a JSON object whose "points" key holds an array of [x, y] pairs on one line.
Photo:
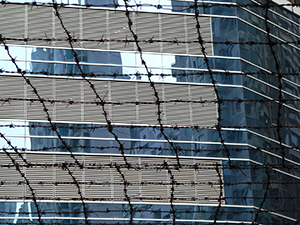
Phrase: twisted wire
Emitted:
{"points": [[287, 154]]}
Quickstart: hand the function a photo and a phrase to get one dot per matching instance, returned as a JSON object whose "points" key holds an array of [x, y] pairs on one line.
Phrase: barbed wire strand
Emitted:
{"points": [[278, 73], [173, 41], [172, 197], [204, 4], [53, 127], [268, 186], [214, 83], [27, 182], [221, 198], [152, 84], [288, 163], [92, 86], [127, 197]]}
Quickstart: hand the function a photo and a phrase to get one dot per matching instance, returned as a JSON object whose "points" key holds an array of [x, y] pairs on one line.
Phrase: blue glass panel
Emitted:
{"points": [[133, 147], [130, 132], [229, 78], [232, 111], [229, 27], [192, 62], [271, 146], [227, 64], [237, 178], [275, 190], [191, 76], [108, 211], [73, 70], [251, 18], [223, 10], [287, 13], [189, 7]]}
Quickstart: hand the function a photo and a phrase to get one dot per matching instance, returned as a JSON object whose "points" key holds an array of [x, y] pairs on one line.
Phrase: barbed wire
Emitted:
{"points": [[188, 211], [179, 154], [148, 223], [138, 74], [92, 127], [152, 84], [214, 83], [101, 103], [115, 5], [278, 72], [150, 41], [92, 183], [154, 199], [127, 198], [160, 166], [264, 198], [280, 103]]}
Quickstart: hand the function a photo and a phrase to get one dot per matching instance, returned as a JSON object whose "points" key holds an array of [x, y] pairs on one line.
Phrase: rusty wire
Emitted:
{"points": [[171, 168]]}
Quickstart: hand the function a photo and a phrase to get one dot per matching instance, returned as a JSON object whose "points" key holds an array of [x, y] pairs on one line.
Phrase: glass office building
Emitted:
{"points": [[250, 177]]}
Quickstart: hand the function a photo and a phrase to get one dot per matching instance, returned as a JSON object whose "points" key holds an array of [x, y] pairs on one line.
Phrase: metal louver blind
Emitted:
{"points": [[66, 190], [179, 109], [71, 20], [15, 109], [35, 176], [147, 113], [120, 93], [95, 27], [68, 90], [13, 186], [94, 24], [173, 29], [92, 113], [118, 30], [148, 27], [35, 110], [106, 190], [101, 180], [115, 92], [203, 114], [13, 26], [205, 29], [39, 22]]}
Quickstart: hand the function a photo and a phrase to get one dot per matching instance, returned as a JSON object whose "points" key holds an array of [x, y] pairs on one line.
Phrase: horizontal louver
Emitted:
{"points": [[205, 27], [12, 88], [36, 176], [127, 102], [118, 30], [148, 28], [173, 29], [123, 92], [148, 179], [91, 112], [202, 112], [13, 22], [95, 27], [39, 20], [12, 185], [44, 86], [69, 90], [147, 113], [97, 24]]}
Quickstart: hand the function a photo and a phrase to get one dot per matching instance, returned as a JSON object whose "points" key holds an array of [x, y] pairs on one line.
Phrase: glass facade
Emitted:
{"points": [[254, 183]]}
